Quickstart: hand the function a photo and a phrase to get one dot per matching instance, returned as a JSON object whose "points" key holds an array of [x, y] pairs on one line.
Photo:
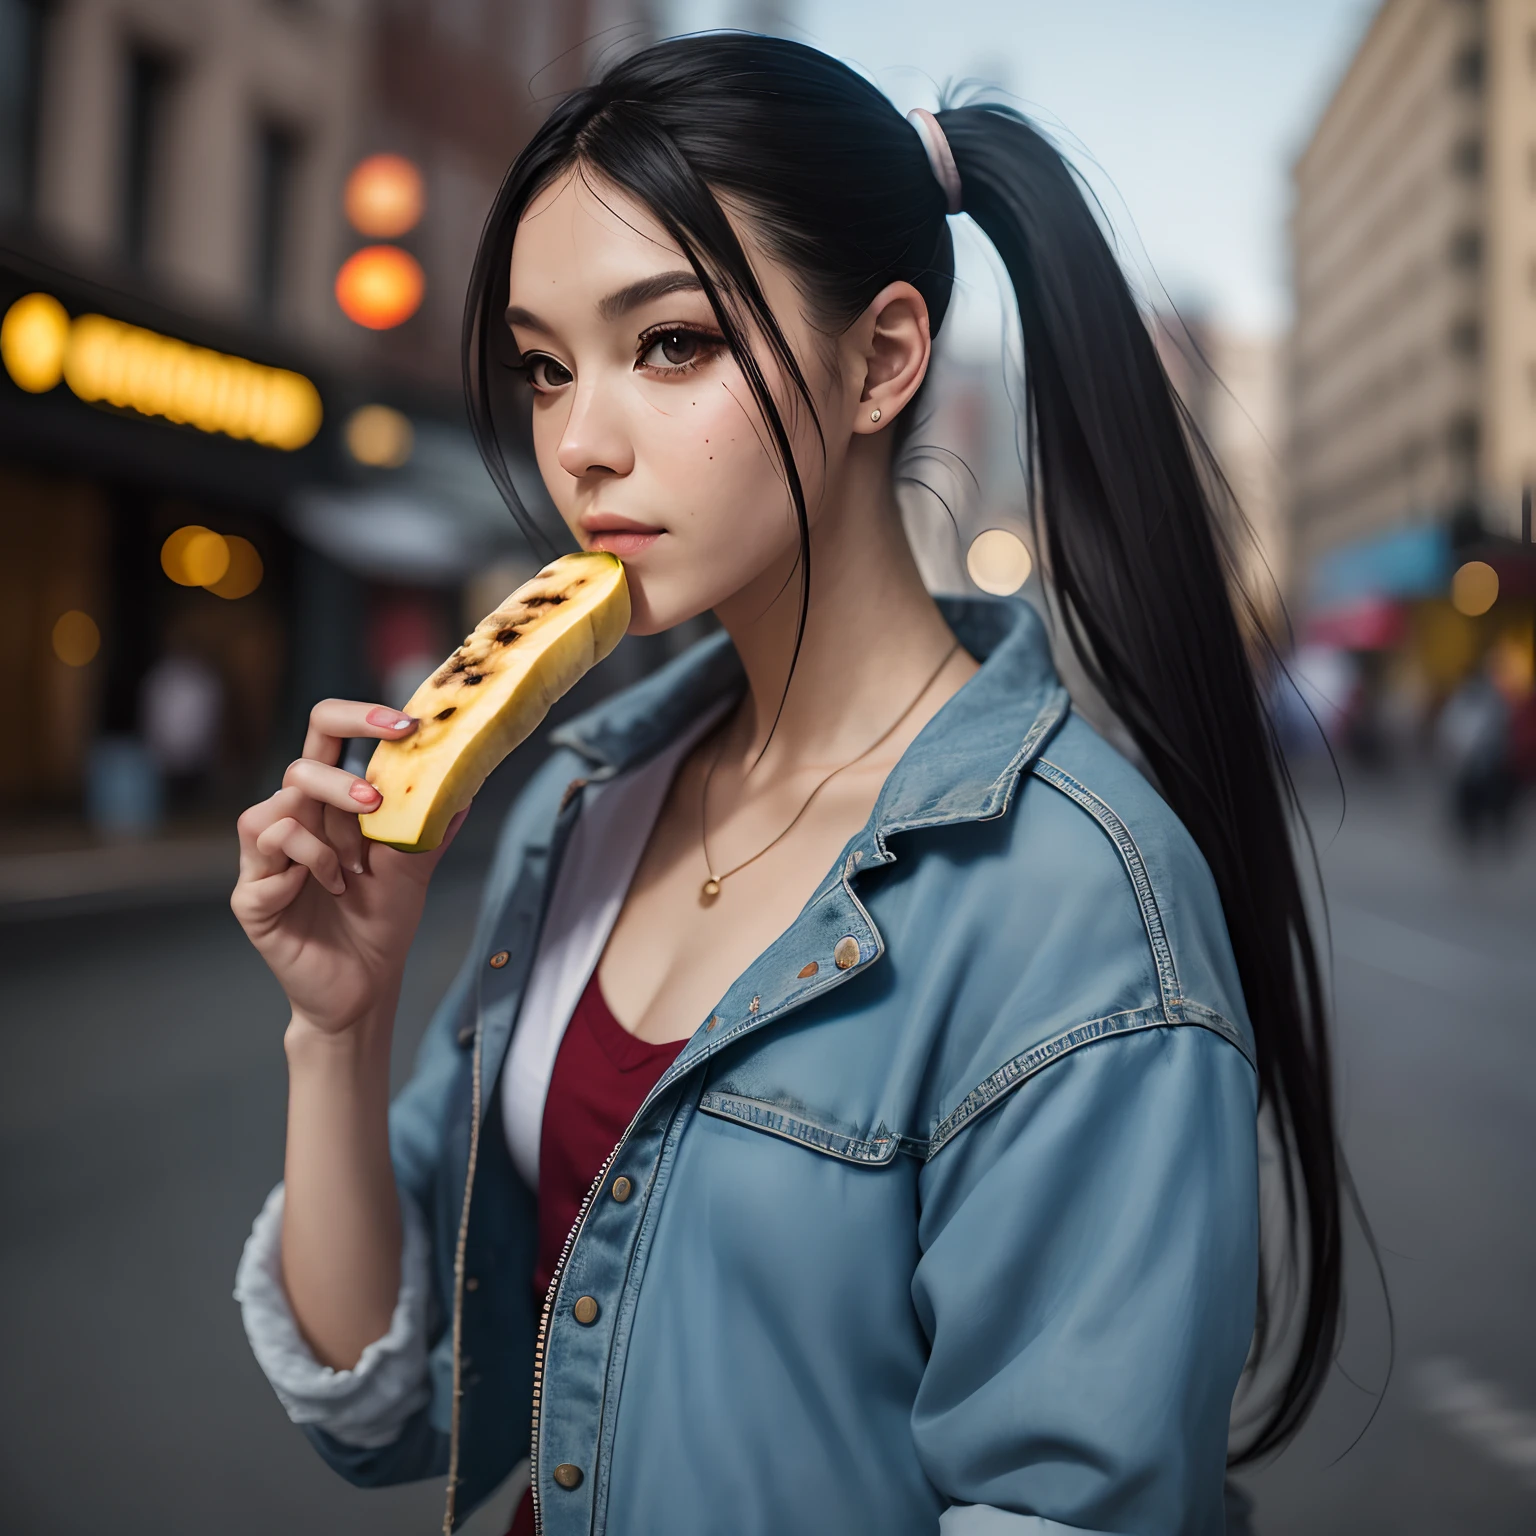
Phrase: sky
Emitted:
{"points": [[1184, 115]]}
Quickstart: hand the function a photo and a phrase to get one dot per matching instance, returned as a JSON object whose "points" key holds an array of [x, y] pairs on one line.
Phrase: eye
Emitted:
{"points": [[545, 373], [677, 349]]}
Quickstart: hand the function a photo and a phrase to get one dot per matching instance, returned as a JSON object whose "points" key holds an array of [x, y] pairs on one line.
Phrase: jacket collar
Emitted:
{"points": [[963, 764]]}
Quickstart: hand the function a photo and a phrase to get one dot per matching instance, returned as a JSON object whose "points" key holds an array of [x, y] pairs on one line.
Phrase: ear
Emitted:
{"points": [[893, 348]]}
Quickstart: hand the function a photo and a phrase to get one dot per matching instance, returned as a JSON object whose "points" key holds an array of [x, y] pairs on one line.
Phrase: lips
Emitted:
{"points": [[616, 535], [626, 545]]}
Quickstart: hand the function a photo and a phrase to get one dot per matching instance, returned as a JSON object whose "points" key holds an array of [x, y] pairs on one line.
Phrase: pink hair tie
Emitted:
{"points": [[940, 157]]}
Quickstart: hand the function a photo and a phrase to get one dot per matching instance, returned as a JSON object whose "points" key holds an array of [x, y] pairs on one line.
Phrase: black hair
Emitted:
{"points": [[1128, 510]]}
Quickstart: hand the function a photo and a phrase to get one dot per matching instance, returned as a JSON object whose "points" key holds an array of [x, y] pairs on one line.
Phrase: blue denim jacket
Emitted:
{"points": [[945, 1219]]}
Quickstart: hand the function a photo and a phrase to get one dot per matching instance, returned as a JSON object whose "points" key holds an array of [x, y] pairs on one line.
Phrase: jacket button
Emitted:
{"points": [[585, 1311], [471, 1284], [465, 1036], [567, 1475], [499, 959], [807, 970], [621, 1189], [845, 954]]}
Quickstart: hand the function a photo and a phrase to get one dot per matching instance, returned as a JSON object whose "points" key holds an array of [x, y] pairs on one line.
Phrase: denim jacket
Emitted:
{"points": [[944, 1219]]}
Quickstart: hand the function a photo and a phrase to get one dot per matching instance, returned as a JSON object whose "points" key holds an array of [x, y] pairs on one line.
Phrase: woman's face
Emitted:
{"points": [[646, 431]]}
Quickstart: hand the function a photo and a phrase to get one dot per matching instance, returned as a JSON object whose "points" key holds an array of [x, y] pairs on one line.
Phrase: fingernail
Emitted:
{"points": [[364, 793], [356, 869], [390, 719]]}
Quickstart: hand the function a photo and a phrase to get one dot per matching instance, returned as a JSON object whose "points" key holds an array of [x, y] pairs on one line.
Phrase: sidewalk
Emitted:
{"points": [[103, 876]]}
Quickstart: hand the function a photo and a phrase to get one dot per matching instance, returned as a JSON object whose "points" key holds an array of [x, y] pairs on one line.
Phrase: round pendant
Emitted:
{"points": [[709, 890]]}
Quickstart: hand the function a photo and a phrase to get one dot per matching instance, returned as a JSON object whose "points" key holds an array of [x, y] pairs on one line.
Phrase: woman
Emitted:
{"points": [[845, 1117]]}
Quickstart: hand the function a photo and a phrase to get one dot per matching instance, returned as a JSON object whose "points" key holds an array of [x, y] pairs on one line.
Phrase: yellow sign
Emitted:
{"points": [[139, 370]]}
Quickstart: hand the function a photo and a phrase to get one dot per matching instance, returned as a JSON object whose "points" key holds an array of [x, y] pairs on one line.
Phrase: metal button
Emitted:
{"points": [[465, 1036], [808, 970], [621, 1189], [585, 1310], [499, 959], [471, 1284], [845, 953], [567, 1475]]}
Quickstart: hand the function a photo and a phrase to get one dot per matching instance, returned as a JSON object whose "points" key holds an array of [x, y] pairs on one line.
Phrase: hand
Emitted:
{"points": [[331, 913]]}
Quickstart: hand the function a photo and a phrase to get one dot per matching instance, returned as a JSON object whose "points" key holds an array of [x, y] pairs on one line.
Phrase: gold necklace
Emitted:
{"points": [[711, 887]]}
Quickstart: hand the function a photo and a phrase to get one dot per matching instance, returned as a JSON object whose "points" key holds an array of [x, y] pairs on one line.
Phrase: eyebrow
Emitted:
{"points": [[619, 303]]}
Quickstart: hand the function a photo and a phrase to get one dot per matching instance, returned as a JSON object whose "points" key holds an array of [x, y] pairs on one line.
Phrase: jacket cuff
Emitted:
{"points": [[985, 1520], [369, 1405]]}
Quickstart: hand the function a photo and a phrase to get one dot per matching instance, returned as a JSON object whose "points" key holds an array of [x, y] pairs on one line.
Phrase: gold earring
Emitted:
{"points": [[874, 415]]}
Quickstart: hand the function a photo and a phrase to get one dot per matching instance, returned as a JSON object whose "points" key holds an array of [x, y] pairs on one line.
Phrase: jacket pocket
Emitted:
{"points": [[794, 1123]]}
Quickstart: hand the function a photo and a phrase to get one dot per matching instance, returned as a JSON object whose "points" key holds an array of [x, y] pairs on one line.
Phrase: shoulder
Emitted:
{"points": [[1160, 867], [1093, 917]]}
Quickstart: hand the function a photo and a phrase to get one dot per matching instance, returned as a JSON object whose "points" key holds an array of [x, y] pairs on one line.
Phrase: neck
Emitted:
{"points": [[873, 634]]}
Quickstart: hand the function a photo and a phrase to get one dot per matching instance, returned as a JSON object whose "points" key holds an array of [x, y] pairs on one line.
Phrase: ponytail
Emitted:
{"points": [[1144, 575]]}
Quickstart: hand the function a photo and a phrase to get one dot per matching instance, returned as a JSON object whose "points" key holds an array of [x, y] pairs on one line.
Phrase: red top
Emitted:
{"points": [[601, 1077]]}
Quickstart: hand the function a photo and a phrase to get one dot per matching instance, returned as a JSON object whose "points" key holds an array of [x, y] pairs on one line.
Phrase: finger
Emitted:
{"points": [[259, 901], [345, 835], [294, 840], [286, 803], [332, 786], [333, 721]]}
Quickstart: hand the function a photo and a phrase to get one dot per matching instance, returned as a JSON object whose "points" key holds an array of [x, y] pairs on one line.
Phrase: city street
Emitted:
{"points": [[141, 1119]]}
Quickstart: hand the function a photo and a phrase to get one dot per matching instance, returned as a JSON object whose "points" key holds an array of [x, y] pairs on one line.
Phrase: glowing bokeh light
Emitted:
{"points": [[33, 339], [999, 562], [379, 436], [384, 197], [195, 556], [244, 570], [139, 370], [1474, 588], [76, 639], [380, 287]]}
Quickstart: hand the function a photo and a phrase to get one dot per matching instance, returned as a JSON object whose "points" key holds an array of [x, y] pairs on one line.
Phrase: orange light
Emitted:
{"points": [[384, 196], [195, 556], [33, 338], [380, 287], [244, 572], [76, 639]]}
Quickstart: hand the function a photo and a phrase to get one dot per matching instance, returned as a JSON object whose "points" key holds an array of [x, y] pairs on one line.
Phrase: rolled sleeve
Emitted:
{"points": [[1088, 1284], [370, 1405]]}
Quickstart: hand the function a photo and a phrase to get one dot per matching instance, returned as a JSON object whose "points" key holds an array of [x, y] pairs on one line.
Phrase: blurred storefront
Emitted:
{"points": [[235, 474]]}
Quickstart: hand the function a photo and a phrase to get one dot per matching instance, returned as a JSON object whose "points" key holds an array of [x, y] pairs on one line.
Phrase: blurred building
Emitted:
{"points": [[1413, 359], [178, 218], [1232, 383]]}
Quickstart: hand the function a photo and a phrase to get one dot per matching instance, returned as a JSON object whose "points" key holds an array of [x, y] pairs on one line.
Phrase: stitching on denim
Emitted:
{"points": [[1025, 1065], [877, 1150], [1052, 713], [1136, 868]]}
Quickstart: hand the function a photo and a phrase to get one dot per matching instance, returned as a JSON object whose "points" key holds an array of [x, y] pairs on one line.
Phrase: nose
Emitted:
{"points": [[596, 440]]}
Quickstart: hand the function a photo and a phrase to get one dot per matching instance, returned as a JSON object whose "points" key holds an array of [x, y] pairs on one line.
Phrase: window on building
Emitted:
{"points": [[1467, 68], [277, 161], [21, 59], [1466, 338], [1466, 250], [151, 80], [1462, 436], [1467, 159]]}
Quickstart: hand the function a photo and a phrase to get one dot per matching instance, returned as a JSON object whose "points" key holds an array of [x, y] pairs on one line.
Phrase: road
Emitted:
{"points": [[141, 1117]]}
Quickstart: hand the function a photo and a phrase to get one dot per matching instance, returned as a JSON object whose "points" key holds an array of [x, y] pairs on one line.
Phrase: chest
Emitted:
{"points": [[674, 950]]}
